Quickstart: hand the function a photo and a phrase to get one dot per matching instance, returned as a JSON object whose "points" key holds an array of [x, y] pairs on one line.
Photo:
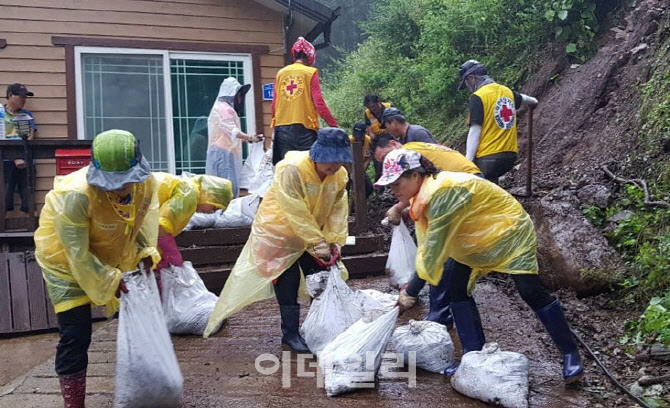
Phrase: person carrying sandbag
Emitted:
{"points": [[484, 229], [96, 223], [301, 224]]}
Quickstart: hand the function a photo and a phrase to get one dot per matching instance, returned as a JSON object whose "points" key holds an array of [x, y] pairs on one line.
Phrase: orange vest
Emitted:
{"points": [[499, 127], [293, 97]]}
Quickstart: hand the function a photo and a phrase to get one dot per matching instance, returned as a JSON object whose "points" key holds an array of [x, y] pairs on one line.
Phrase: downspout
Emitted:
{"points": [[288, 23]]}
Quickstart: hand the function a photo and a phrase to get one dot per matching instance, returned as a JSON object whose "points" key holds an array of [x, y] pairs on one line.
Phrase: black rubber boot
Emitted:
{"points": [[469, 329], [553, 319], [290, 322]]}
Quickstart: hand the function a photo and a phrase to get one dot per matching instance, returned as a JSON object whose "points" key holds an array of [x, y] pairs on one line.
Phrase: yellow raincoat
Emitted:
{"points": [[297, 212], [83, 245], [474, 221]]}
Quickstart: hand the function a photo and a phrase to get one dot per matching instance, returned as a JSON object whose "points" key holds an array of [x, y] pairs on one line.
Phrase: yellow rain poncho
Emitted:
{"points": [[297, 212], [212, 190], [83, 245], [474, 221]]}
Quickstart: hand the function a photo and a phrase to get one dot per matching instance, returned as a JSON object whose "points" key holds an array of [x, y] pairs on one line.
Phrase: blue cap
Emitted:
{"points": [[331, 146]]}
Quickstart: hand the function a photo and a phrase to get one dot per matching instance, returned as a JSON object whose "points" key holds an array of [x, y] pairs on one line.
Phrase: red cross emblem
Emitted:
{"points": [[291, 87], [506, 113]]}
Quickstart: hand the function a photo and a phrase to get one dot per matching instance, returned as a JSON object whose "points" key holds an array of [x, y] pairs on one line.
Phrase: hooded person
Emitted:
{"points": [[301, 224], [484, 229], [492, 138], [298, 103], [179, 198], [96, 224], [224, 151]]}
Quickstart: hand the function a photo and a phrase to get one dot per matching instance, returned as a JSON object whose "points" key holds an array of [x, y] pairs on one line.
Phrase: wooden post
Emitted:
{"points": [[360, 199], [529, 161], [2, 190], [30, 184]]}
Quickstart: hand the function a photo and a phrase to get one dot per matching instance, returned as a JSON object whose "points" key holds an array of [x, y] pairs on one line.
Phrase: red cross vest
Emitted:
{"points": [[499, 127], [293, 92]]}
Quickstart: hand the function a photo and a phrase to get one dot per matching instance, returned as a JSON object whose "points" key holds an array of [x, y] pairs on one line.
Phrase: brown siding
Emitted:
{"points": [[30, 58]]}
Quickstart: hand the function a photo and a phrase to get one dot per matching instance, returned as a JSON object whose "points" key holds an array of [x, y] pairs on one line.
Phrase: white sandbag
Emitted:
{"points": [[387, 300], [316, 283], [402, 255], [239, 213], [331, 313], [250, 166], [187, 303], [147, 372], [493, 376], [351, 361], [202, 220], [264, 175], [429, 340]]}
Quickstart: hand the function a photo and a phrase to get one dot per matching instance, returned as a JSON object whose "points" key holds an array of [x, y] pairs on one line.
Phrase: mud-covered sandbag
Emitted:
{"points": [[316, 283], [494, 376], [429, 340], [239, 213], [402, 256], [387, 300], [354, 357], [187, 303], [331, 313], [147, 372]]}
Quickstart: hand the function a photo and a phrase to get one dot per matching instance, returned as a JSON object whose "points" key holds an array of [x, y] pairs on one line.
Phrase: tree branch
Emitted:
{"points": [[639, 183]]}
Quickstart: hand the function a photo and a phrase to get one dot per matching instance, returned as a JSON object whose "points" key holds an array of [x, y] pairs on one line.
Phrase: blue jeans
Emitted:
{"points": [[226, 164]]}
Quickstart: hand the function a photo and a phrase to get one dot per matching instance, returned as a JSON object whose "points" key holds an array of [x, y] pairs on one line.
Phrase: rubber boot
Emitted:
{"points": [[553, 319], [469, 329], [290, 319], [73, 389], [439, 310]]}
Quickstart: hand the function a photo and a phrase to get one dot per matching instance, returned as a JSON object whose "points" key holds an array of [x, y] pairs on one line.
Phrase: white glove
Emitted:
{"points": [[322, 250], [394, 215], [405, 301]]}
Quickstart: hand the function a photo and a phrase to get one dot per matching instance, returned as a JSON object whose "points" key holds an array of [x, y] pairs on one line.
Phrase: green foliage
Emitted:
{"points": [[414, 48], [655, 321]]}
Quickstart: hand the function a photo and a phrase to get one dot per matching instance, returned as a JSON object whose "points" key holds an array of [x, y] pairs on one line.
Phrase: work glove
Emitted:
{"points": [[122, 288], [335, 253], [394, 215], [170, 254], [322, 250], [405, 301]]}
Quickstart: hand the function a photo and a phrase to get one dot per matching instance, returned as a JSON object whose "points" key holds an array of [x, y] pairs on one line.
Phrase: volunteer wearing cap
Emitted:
{"points": [[492, 143], [374, 109], [224, 154], [179, 198], [298, 103], [445, 159], [397, 125], [300, 225], [484, 229], [15, 170], [97, 223]]}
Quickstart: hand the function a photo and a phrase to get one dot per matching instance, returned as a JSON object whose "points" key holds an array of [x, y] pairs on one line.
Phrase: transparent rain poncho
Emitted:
{"points": [[297, 212], [474, 221], [83, 245]]}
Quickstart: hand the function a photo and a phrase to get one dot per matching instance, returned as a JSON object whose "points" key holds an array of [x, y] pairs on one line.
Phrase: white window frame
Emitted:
{"points": [[167, 83]]}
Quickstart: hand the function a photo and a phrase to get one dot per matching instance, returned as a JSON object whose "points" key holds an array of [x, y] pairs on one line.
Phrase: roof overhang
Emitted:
{"points": [[308, 18]]}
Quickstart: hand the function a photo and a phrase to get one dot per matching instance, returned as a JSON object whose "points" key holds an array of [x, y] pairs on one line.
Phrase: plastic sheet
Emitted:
{"points": [[493, 376], [354, 357], [147, 371], [402, 256], [429, 340], [187, 303]]}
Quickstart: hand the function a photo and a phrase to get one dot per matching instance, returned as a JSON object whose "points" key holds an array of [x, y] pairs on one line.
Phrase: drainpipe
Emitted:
{"points": [[288, 23]]}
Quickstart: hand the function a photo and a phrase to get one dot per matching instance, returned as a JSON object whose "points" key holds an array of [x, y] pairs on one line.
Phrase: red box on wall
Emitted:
{"points": [[71, 160]]}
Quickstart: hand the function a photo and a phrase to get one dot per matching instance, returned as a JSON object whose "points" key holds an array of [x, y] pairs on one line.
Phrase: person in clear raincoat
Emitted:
{"points": [[97, 223], [179, 198], [224, 151], [484, 229], [301, 224]]}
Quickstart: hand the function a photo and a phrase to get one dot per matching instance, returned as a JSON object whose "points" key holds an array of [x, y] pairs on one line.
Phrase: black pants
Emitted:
{"points": [[286, 288], [291, 137], [495, 165], [527, 285], [15, 177], [75, 329]]}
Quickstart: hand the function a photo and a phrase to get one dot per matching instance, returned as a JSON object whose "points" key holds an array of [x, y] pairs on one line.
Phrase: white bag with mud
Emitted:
{"points": [[331, 313], [147, 372], [402, 255], [430, 341], [187, 303], [352, 360], [494, 376]]}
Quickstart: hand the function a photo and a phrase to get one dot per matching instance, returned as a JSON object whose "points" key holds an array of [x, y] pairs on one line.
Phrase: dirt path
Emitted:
{"points": [[221, 371]]}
